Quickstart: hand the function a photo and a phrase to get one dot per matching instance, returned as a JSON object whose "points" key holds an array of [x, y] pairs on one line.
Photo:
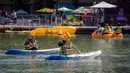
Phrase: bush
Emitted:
{"points": [[72, 18]]}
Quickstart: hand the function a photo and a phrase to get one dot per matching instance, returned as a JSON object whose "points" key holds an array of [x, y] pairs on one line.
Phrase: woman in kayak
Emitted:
{"points": [[30, 44], [64, 48]]}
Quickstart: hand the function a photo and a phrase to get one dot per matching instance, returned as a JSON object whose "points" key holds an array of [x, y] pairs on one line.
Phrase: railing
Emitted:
{"points": [[47, 19], [41, 19], [113, 19]]}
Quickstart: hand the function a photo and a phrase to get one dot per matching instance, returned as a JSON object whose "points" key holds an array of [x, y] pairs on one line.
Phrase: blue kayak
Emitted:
{"points": [[90, 55], [44, 51]]}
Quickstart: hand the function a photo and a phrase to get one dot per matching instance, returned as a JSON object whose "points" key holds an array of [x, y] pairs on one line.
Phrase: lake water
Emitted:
{"points": [[115, 57]]}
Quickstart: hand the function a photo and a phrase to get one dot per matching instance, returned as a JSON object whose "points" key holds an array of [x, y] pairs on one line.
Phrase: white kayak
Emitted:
{"points": [[44, 51], [89, 55]]}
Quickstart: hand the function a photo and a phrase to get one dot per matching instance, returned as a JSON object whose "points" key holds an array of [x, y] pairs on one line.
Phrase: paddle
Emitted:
{"points": [[75, 47], [35, 42], [34, 39], [67, 37]]}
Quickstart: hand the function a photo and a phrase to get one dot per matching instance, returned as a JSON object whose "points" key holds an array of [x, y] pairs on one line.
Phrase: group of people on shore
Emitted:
{"points": [[107, 28], [7, 17]]}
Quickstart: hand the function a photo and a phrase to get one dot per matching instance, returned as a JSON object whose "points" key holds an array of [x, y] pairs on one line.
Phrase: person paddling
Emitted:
{"points": [[30, 44], [64, 48]]}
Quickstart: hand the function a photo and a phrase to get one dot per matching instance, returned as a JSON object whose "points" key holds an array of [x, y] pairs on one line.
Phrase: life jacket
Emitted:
{"points": [[63, 50], [107, 28], [119, 28]]}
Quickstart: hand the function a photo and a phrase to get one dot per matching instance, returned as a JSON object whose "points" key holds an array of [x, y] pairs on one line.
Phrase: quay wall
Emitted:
{"points": [[80, 29]]}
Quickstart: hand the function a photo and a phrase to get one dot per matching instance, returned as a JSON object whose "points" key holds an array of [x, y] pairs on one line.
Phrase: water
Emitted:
{"points": [[115, 56]]}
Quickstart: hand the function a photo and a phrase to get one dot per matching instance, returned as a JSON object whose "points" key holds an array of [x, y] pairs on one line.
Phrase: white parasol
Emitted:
{"points": [[64, 9], [104, 5], [80, 10]]}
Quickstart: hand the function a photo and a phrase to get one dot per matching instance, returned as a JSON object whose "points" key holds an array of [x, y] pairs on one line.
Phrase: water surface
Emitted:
{"points": [[115, 56]]}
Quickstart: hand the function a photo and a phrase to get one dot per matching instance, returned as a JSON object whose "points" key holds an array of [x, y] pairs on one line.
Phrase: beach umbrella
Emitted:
{"points": [[80, 10], [47, 10], [64, 9], [104, 5], [21, 12]]}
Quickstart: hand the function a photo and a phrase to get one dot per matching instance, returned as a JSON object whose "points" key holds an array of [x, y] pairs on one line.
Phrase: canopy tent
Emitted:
{"points": [[21, 12], [104, 5], [80, 10], [64, 9], [69, 6], [48, 10]]}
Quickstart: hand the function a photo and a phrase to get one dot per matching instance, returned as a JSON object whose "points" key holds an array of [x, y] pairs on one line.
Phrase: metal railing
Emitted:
{"points": [[48, 19]]}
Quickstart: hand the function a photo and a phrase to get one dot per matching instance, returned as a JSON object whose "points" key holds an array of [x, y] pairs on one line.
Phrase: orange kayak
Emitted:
{"points": [[109, 35]]}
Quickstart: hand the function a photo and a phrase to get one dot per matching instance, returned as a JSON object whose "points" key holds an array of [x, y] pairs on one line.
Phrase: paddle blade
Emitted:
{"points": [[64, 36]]}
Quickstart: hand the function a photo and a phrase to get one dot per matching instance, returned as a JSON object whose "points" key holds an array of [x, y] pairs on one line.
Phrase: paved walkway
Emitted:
{"points": [[15, 26], [81, 29]]}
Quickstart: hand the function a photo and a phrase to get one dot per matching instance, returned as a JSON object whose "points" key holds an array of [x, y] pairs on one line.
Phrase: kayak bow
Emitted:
{"points": [[45, 51]]}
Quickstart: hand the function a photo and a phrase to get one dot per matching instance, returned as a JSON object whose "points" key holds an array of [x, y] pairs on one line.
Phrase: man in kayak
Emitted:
{"points": [[30, 44], [64, 48]]}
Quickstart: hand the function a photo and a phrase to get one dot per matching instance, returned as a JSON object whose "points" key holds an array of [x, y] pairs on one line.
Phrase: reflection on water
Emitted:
{"points": [[34, 65], [114, 58], [77, 66]]}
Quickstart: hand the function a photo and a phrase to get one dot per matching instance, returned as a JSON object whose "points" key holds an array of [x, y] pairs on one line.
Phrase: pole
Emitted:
{"points": [[13, 5], [57, 2], [34, 39]]}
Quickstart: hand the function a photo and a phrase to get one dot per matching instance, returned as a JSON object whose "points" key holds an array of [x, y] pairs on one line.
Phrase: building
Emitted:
{"points": [[28, 5], [87, 3], [32, 5], [6, 5]]}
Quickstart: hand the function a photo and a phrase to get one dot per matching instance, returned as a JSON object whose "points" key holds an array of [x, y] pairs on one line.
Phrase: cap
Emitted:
{"points": [[64, 41]]}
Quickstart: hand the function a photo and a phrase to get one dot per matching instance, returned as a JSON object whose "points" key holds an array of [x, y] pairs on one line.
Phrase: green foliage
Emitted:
{"points": [[72, 18]]}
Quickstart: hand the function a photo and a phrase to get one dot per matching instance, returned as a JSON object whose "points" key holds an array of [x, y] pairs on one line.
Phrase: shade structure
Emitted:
{"points": [[21, 12], [80, 10], [64, 9], [48, 10], [104, 5]]}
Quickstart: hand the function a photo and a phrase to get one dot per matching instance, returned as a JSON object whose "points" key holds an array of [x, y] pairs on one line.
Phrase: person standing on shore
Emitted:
{"points": [[14, 16]]}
